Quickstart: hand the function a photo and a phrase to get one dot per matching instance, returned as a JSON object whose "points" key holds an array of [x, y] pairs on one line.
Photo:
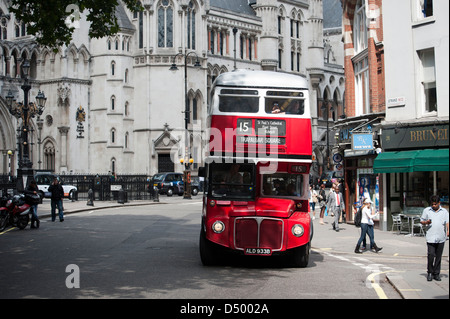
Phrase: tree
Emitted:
{"points": [[48, 20]]}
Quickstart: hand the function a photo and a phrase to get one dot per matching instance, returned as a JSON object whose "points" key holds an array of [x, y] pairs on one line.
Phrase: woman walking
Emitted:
{"points": [[367, 226], [322, 201], [312, 201]]}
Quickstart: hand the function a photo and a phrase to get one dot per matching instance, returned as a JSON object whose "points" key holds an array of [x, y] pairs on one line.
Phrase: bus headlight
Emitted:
{"points": [[218, 227], [297, 230]]}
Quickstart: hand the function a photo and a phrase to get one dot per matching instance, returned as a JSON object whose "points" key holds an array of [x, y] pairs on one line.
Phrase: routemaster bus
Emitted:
{"points": [[257, 171]]}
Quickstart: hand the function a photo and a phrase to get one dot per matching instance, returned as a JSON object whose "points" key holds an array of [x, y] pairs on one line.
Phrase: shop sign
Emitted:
{"points": [[415, 137], [362, 141]]}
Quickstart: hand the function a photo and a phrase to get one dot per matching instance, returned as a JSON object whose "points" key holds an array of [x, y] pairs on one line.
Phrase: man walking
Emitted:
{"points": [[436, 218], [335, 205], [56, 199]]}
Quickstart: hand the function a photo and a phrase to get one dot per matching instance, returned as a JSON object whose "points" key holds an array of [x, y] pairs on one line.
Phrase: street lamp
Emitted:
{"points": [[187, 112], [10, 153], [25, 111], [327, 116], [187, 177]]}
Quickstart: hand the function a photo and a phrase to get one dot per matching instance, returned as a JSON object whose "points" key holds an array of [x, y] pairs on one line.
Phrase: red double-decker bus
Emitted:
{"points": [[257, 172]]}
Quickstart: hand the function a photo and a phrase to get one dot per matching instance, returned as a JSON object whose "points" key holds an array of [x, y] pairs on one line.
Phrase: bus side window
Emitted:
{"points": [[296, 107]]}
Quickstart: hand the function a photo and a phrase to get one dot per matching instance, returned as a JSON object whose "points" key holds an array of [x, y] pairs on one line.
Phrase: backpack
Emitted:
{"points": [[358, 217]]}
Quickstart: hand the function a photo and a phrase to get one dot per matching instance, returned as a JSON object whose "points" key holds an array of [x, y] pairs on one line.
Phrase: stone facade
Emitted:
{"points": [[134, 105]]}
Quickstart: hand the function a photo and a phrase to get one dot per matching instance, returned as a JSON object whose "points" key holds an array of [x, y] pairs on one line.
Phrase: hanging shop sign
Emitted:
{"points": [[363, 141]]}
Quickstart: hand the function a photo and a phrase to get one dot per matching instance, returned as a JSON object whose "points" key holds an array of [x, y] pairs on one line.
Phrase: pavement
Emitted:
{"points": [[410, 283]]}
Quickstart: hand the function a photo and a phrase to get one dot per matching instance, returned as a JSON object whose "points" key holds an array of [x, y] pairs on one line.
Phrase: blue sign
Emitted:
{"points": [[362, 141]]}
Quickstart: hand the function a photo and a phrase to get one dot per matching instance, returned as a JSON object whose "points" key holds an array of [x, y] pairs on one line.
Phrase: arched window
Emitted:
{"points": [[49, 156], [126, 76], [113, 102], [141, 29], [113, 165], [126, 140], [4, 29], [113, 136], [127, 110], [191, 26], [194, 110], [165, 24], [113, 67]]}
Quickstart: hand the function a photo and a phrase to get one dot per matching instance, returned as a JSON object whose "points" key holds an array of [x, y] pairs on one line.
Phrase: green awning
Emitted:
{"points": [[431, 160], [412, 161], [394, 162]]}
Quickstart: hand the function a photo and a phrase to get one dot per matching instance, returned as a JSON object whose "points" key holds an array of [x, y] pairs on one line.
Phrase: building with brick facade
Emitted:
{"points": [[356, 134], [394, 136], [416, 124]]}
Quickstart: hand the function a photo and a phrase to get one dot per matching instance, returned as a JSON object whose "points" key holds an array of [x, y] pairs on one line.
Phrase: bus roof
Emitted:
{"points": [[261, 79]]}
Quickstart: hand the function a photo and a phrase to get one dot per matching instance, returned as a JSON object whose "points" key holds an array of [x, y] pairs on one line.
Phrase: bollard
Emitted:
{"points": [[90, 201], [121, 197], [155, 194]]}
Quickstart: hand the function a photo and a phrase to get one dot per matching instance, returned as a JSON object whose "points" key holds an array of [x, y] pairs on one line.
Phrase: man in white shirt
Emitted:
{"points": [[437, 219]]}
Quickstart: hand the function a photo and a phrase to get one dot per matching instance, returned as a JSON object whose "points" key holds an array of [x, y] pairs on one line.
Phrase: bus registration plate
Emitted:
{"points": [[258, 251]]}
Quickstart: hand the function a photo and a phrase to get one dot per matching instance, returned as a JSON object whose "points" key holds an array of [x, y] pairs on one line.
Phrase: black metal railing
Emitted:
{"points": [[104, 187]]}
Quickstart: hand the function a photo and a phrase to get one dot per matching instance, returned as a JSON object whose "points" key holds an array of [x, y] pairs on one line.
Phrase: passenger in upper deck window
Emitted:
{"points": [[276, 108], [294, 108]]}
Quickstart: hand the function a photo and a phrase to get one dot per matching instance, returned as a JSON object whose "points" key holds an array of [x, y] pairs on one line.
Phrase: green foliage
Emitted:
{"points": [[46, 19]]}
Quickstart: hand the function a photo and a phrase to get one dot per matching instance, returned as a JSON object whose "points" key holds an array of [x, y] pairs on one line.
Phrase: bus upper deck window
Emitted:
{"points": [[232, 100], [282, 102]]}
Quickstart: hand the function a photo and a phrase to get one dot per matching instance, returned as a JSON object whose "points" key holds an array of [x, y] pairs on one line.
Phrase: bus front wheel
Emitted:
{"points": [[300, 256], [207, 251]]}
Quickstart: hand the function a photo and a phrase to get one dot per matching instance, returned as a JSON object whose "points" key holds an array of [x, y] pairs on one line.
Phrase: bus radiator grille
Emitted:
{"points": [[258, 232]]}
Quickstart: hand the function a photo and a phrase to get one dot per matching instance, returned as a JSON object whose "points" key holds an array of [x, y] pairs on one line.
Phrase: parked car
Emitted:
{"points": [[44, 180], [195, 185], [169, 183]]}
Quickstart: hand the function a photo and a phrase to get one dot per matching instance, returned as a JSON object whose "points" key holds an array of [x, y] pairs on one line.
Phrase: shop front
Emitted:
{"points": [[414, 165], [360, 148]]}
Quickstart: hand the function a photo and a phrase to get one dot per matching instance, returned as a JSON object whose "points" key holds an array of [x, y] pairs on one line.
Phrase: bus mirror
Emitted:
{"points": [[202, 171]]}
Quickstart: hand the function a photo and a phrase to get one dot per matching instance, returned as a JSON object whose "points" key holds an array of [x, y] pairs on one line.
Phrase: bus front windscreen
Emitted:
{"points": [[282, 185], [232, 181]]}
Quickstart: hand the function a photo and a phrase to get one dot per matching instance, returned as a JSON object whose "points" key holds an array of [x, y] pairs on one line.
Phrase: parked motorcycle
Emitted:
{"points": [[15, 210]]}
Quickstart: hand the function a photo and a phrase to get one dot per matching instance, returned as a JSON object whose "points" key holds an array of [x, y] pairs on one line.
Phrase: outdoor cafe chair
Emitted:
{"points": [[397, 222]]}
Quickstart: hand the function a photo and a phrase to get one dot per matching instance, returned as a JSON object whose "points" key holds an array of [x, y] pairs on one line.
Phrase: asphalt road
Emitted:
{"points": [[152, 252]]}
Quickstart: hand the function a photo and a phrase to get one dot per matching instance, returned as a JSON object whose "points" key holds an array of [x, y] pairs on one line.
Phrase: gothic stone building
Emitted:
{"points": [[113, 104]]}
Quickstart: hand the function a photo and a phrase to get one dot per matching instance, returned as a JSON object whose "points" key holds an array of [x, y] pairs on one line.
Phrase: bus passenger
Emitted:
{"points": [[294, 108], [291, 190], [234, 176], [276, 108], [267, 189]]}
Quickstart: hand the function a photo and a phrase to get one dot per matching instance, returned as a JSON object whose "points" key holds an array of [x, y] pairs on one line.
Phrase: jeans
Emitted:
{"points": [[366, 229], [33, 210], [54, 203]]}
